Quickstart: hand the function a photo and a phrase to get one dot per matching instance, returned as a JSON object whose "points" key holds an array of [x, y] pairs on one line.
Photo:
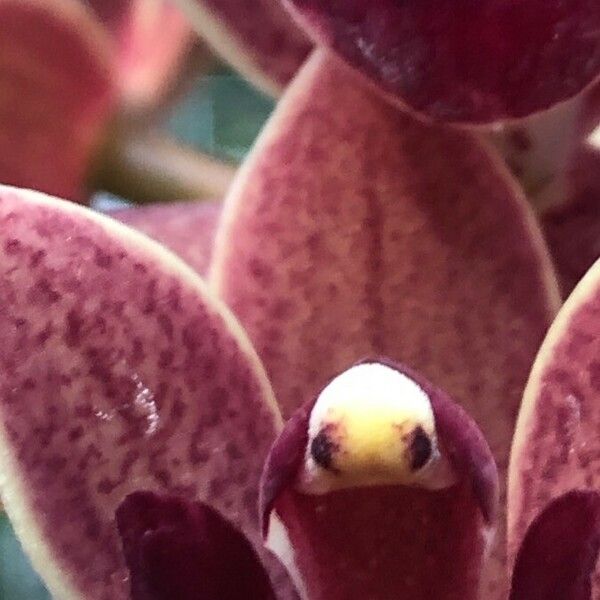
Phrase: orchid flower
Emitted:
{"points": [[72, 79], [547, 151], [353, 229]]}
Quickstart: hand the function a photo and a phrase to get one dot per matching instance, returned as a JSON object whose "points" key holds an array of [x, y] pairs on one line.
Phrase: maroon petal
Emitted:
{"points": [[472, 62], [117, 372], [560, 549], [57, 93], [572, 228], [186, 228], [392, 540], [353, 230], [175, 548], [257, 37], [556, 445]]}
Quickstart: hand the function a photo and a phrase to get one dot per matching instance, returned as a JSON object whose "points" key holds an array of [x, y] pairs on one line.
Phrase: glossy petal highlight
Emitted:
{"points": [[118, 372]]}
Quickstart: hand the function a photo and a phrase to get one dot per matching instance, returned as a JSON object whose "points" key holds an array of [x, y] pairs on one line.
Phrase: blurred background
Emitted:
{"points": [[172, 130]]}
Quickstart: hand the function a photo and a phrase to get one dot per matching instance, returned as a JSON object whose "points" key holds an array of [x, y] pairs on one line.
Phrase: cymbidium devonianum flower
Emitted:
{"points": [[133, 404]]}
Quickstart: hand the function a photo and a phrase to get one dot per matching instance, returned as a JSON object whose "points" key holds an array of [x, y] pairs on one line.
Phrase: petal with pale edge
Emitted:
{"points": [[392, 540], [560, 549], [57, 94], [352, 230], [186, 228], [257, 37], [118, 372], [556, 444], [175, 548], [471, 62]]}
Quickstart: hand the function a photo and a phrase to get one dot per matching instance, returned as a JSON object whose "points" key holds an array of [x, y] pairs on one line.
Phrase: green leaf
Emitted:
{"points": [[18, 580]]}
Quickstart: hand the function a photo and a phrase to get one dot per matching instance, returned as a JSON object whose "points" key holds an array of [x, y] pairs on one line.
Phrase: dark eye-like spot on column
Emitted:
{"points": [[420, 449], [323, 449]]}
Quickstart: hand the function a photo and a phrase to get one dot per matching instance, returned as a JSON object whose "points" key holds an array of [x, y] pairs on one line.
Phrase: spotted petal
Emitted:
{"points": [[556, 444], [352, 230], [118, 372]]}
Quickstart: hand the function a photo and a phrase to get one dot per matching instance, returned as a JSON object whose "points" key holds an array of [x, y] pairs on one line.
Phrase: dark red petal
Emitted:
{"points": [[57, 94], [386, 542], [186, 228], [257, 37], [353, 230], [469, 61], [557, 558], [556, 444], [186, 550], [572, 228], [118, 372]]}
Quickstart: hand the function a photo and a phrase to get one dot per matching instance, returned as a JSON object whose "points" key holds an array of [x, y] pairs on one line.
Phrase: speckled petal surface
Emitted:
{"points": [[352, 230], [186, 228], [257, 37], [572, 228], [558, 554], [391, 541], [183, 550], [57, 93], [471, 62], [556, 446], [118, 372]]}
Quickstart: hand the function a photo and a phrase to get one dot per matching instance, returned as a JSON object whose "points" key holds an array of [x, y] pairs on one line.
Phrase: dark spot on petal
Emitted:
{"points": [[420, 449], [323, 449]]}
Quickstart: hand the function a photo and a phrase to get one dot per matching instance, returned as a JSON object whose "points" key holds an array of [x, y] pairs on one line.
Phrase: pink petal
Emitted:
{"points": [[153, 39], [186, 228], [155, 42], [572, 228], [386, 542], [186, 550], [556, 445], [257, 37], [560, 549], [473, 62], [353, 230], [117, 372], [57, 94]]}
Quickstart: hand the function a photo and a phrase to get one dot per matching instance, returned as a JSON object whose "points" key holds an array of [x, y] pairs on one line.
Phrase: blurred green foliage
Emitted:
{"points": [[222, 116]]}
